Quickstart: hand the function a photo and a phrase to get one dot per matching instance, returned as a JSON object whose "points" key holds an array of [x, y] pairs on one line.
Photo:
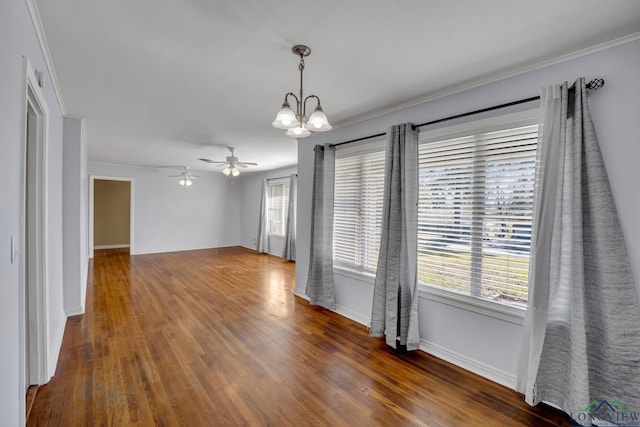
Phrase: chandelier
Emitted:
{"points": [[296, 122]]}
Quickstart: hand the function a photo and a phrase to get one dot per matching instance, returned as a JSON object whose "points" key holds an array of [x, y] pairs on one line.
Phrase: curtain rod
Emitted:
{"points": [[281, 177], [594, 84]]}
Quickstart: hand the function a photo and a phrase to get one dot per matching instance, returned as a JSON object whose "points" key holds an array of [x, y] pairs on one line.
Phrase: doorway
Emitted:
{"points": [[33, 253], [111, 205]]}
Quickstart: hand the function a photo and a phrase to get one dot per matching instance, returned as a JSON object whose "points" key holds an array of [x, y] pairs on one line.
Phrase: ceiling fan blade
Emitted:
{"points": [[174, 176], [245, 164], [212, 161], [194, 177]]}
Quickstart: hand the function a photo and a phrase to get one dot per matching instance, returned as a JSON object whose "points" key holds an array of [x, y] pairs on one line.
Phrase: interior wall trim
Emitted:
{"points": [[83, 129], [132, 215], [342, 311], [119, 246], [491, 78], [496, 375], [489, 372], [74, 311], [46, 53]]}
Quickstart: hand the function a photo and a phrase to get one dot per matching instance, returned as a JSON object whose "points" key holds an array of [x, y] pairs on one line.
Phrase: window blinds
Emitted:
{"points": [[278, 206], [474, 213], [358, 194]]}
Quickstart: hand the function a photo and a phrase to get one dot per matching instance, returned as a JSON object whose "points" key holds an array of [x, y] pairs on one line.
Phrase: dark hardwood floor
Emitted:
{"points": [[216, 338]]}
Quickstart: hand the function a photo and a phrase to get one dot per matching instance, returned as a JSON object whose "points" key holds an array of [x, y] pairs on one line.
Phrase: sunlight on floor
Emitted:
{"points": [[279, 300]]}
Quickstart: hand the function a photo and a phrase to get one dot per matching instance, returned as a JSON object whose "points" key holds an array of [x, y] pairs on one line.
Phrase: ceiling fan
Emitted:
{"points": [[186, 177], [231, 164]]}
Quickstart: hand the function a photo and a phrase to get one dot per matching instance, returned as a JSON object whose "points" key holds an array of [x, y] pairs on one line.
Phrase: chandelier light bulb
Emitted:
{"points": [[318, 121], [226, 171], [188, 183], [286, 118], [182, 182], [298, 132], [235, 171]]}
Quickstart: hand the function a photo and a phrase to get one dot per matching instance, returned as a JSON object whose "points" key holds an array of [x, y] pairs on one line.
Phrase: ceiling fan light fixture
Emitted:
{"points": [[185, 179], [231, 164], [296, 121]]}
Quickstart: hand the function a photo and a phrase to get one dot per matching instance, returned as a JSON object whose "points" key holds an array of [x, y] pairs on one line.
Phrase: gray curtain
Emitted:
{"points": [[395, 300], [262, 241], [289, 249], [320, 288], [582, 328]]}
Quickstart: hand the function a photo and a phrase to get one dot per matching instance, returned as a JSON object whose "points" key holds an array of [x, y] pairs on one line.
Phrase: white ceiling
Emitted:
{"points": [[164, 82]]}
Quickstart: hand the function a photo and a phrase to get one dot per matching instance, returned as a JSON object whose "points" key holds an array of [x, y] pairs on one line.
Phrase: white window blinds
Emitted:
{"points": [[474, 213], [359, 187], [278, 200]]}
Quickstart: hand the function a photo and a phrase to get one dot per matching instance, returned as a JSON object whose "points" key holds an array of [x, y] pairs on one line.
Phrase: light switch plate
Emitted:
{"points": [[14, 248]]}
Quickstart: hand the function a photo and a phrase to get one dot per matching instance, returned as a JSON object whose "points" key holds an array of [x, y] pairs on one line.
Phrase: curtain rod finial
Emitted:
{"points": [[595, 84]]}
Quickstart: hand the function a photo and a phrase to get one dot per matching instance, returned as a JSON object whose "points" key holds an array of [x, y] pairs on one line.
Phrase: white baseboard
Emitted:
{"points": [[74, 311], [111, 246], [464, 362], [342, 311], [349, 314], [479, 368], [54, 355], [300, 294]]}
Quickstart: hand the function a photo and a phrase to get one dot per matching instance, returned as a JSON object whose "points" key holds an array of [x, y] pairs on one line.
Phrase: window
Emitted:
{"points": [[358, 198], [278, 204], [474, 216], [475, 208]]}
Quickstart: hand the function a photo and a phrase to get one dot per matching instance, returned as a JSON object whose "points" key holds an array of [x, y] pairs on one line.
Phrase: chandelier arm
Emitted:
{"points": [[294, 96], [298, 108], [304, 106]]}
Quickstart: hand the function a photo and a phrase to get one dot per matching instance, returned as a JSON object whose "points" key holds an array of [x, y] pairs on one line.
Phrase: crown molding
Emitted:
{"points": [[44, 47], [155, 167], [491, 78]]}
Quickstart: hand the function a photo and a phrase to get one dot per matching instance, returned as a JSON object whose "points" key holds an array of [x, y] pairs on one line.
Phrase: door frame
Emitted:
{"points": [[34, 330], [132, 193]]}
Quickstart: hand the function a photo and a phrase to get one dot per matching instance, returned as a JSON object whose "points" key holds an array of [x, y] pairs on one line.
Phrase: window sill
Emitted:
{"points": [[487, 308], [354, 274], [469, 303]]}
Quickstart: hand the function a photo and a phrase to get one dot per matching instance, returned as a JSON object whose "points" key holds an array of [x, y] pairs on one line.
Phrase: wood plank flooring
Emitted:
{"points": [[216, 338]]}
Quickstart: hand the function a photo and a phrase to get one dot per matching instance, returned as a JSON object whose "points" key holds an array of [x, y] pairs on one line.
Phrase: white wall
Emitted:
{"points": [[169, 218], [19, 39], [75, 224], [251, 189], [484, 344]]}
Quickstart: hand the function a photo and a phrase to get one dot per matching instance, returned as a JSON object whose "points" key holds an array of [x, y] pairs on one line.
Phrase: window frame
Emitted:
{"points": [[486, 307], [374, 146], [284, 182], [510, 313]]}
